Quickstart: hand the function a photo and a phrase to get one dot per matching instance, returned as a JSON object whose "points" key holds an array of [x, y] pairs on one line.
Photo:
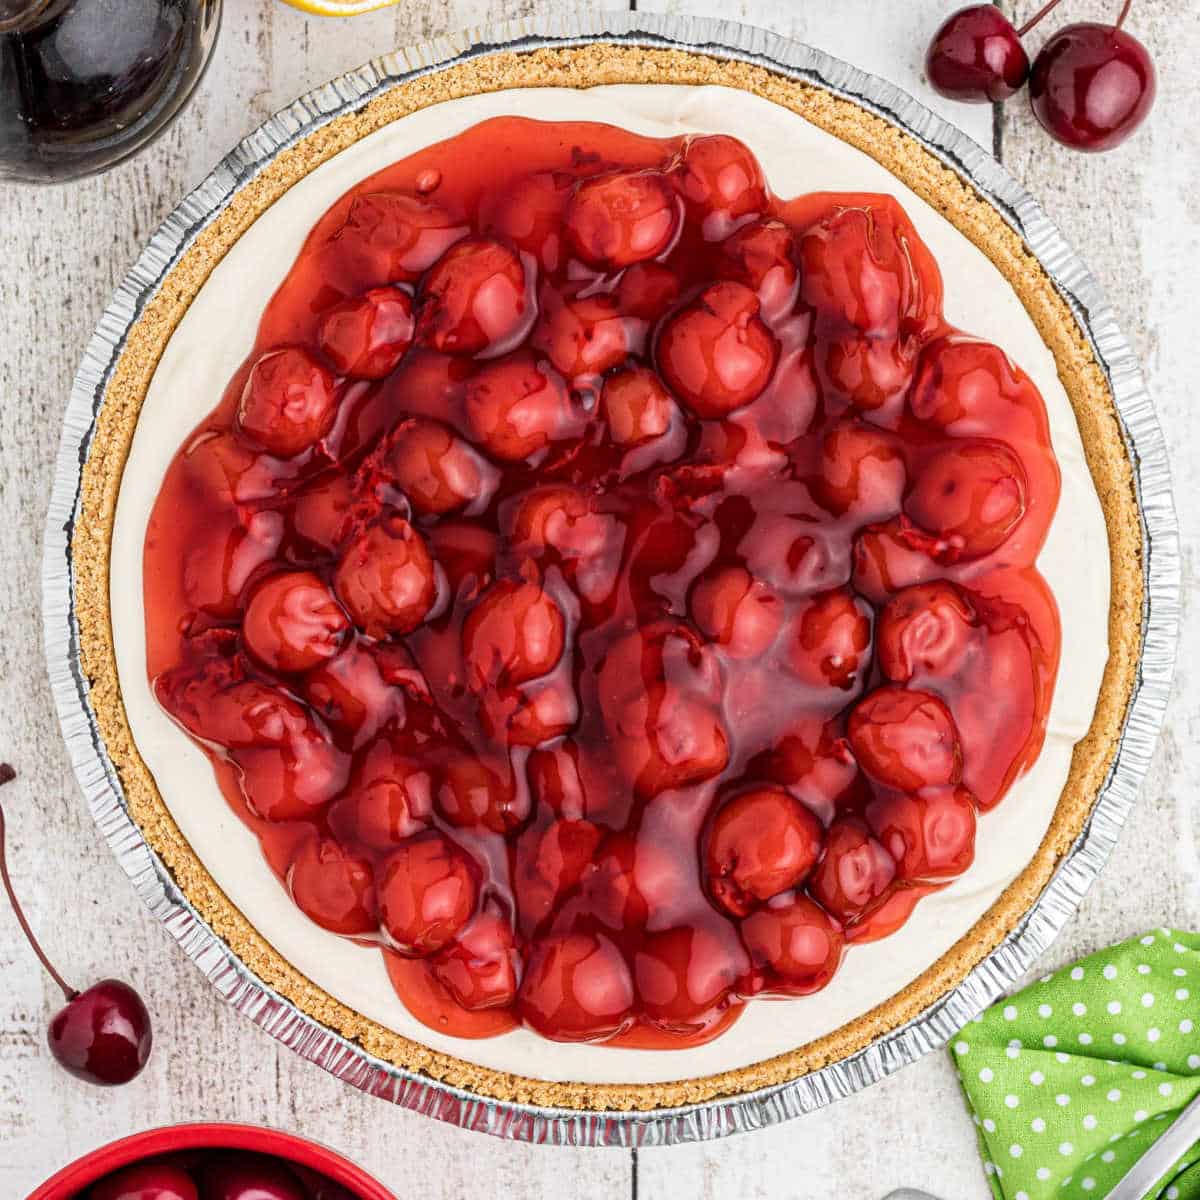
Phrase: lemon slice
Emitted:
{"points": [[339, 8]]}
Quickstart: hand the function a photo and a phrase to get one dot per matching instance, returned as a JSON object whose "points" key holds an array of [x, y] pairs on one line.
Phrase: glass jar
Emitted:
{"points": [[86, 83]]}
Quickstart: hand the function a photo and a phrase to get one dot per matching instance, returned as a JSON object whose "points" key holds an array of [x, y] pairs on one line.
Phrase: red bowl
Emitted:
{"points": [[100, 1162]]}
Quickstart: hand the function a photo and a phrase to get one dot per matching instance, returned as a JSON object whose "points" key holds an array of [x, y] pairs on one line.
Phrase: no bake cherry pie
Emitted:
{"points": [[609, 591], [606, 587]]}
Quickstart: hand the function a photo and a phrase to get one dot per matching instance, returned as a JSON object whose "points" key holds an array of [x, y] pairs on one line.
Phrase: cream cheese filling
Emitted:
{"points": [[216, 334]]}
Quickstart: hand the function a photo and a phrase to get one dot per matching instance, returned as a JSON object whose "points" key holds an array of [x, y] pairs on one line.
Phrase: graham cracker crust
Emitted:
{"points": [[957, 201]]}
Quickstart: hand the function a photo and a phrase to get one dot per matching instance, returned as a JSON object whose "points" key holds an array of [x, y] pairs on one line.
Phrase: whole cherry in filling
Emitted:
{"points": [[608, 591]]}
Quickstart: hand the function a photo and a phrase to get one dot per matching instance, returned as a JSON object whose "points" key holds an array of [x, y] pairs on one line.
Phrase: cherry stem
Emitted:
{"points": [[1124, 14], [1045, 10], [7, 775]]}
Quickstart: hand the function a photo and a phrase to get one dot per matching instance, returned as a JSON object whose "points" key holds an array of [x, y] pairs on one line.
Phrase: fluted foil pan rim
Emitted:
{"points": [[722, 1116]]}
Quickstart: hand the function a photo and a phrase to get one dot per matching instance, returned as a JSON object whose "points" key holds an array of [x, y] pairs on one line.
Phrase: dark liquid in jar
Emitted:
{"points": [[86, 83]]}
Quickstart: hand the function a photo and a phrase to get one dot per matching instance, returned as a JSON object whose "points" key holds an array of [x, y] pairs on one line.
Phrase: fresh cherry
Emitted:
{"points": [[1092, 85], [146, 1181], [249, 1177], [102, 1035], [976, 55]]}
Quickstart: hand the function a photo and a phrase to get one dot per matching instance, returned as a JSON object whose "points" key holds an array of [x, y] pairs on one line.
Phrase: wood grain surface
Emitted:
{"points": [[1135, 215]]}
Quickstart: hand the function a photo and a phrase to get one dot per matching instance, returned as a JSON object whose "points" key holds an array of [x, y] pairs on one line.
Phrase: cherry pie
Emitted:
{"points": [[608, 590]]}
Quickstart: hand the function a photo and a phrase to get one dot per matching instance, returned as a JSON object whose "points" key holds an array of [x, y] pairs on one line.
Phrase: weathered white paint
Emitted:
{"points": [[1135, 215]]}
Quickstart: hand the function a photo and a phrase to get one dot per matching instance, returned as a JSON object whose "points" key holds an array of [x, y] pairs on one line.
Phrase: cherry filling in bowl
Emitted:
{"points": [[607, 589]]}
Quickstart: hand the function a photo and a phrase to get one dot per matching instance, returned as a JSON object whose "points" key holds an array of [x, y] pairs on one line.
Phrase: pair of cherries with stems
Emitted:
{"points": [[102, 1035], [1090, 86]]}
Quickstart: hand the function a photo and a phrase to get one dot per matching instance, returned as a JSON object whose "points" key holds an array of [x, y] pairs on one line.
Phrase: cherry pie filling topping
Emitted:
{"points": [[606, 588]]}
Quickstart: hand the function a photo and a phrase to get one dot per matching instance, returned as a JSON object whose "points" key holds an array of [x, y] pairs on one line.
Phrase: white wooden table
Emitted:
{"points": [[1135, 216]]}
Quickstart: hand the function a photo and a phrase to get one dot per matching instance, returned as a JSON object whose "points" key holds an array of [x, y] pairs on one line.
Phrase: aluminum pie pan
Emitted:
{"points": [[991, 977]]}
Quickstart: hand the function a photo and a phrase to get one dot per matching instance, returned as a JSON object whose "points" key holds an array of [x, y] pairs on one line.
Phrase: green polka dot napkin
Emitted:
{"points": [[1071, 1080]]}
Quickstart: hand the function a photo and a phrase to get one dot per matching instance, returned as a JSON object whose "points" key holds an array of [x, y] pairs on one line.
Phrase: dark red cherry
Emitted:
{"points": [[333, 887], [385, 578], [481, 968], [249, 1177], [517, 406], [514, 634], [1092, 85], [475, 299], [577, 988], [796, 941], [427, 892], [616, 220], [854, 872], [288, 402], [977, 56], [716, 354], [930, 834], [761, 843], [145, 1181], [101, 1035], [293, 622], [437, 471], [905, 739], [367, 336]]}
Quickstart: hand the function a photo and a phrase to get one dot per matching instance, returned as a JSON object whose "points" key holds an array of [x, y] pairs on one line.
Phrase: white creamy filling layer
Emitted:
{"points": [[217, 332]]}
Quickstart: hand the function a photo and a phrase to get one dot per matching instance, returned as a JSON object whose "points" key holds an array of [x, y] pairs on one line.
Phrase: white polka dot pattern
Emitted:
{"points": [[1064, 1117]]}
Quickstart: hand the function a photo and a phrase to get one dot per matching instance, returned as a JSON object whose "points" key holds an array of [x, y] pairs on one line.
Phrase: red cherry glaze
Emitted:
{"points": [[385, 578], [970, 496], [719, 178], [905, 739], [762, 842], [736, 611], [685, 976], [685, 570], [636, 406], [830, 641], [930, 834], [514, 633], [577, 988], [334, 888], [475, 299], [437, 471], [1092, 85], [854, 873], [977, 56], [796, 942], [518, 406], [427, 894], [481, 967], [616, 220], [293, 622], [367, 336], [716, 354], [927, 629], [145, 1181], [288, 403]]}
